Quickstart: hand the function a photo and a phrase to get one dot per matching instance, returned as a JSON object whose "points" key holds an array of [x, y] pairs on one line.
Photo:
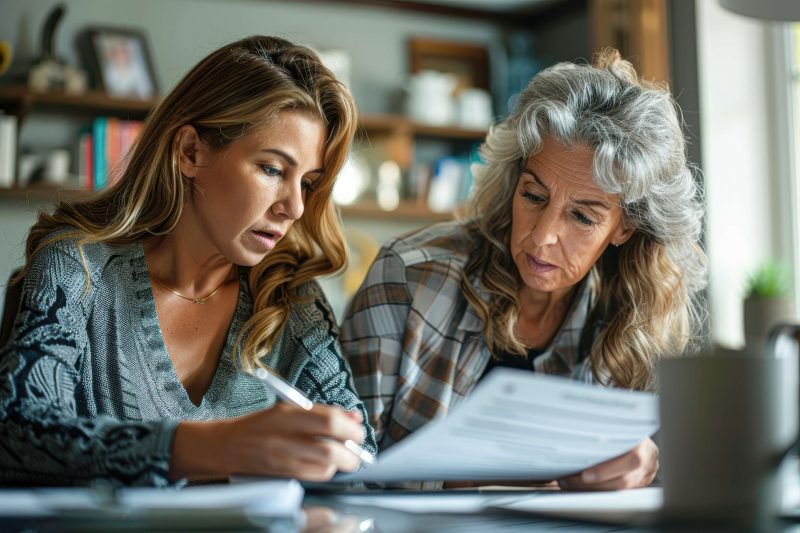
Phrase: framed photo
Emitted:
{"points": [[120, 62], [467, 61]]}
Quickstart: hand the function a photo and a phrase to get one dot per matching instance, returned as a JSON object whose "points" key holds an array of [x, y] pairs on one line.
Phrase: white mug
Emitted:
{"points": [[430, 97], [474, 108], [56, 168], [727, 420]]}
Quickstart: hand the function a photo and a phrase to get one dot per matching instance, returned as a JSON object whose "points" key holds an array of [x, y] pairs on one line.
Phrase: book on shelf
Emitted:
{"points": [[103, 149], [448, 183], [8, 149], [99, 156], [85, 158]]}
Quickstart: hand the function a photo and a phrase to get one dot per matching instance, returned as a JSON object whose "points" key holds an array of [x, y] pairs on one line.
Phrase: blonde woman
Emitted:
{"points": [[146, 308], [577, 254]]}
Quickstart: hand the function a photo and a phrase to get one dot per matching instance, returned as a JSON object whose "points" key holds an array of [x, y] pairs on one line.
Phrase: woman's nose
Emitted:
{"points": [[546, 227], [290, 202]]}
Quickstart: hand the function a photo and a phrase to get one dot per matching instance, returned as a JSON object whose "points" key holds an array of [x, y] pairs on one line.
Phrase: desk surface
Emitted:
{"points": [[342, 513]]}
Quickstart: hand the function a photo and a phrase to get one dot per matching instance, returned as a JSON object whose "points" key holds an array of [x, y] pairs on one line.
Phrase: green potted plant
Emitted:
{"points": [[767, 302]]}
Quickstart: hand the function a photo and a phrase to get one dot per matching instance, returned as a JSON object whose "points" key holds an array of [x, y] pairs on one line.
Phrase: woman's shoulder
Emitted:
{"points": [[428, 264], [62, 251], [312, 305], [311, 322], [446, 241]]}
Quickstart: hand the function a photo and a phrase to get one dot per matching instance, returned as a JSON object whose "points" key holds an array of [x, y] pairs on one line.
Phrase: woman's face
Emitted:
{"points": [[561, 220], [248, 195]]}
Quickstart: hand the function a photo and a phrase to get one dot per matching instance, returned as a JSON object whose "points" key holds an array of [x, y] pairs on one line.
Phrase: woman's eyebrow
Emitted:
{"points": [[594, 203], [535, 177], [587, 202], [289, 159]]}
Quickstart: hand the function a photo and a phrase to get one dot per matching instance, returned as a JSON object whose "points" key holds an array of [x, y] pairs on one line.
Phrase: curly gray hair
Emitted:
{"points": [[647, 304]]}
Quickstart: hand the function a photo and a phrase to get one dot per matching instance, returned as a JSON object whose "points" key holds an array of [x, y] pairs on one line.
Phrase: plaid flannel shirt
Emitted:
{"points": [[415, 344]]}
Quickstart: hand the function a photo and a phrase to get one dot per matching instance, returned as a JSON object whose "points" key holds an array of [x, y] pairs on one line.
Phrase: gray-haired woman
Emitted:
{"points": [[577, 254]]}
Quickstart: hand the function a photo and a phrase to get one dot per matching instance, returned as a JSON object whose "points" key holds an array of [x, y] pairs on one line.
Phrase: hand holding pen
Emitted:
{"points": [[285, 440], [291, 395]]}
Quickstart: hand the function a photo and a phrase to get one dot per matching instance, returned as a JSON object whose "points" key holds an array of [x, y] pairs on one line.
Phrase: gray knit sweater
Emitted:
{"points": [[87, 389]]}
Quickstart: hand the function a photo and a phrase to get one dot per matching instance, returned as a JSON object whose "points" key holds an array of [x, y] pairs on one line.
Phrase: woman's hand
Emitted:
{"points": [[634, 469], [284, 441]]}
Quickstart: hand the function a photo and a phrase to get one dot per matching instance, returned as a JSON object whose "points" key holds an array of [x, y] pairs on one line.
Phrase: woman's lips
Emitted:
{"points": [[539, 266], [265, 240]]}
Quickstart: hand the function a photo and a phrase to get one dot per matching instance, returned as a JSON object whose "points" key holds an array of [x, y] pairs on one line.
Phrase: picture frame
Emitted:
{"points": [[469, 62], [120, 62]]}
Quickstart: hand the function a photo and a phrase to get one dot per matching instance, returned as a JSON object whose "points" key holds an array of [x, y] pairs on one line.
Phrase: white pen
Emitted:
{"points": [[291, 395]]}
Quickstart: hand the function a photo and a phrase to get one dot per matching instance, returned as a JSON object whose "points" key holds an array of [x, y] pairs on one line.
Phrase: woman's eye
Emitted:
{"points": [[533, 197], [583, 219], [270, 170]]}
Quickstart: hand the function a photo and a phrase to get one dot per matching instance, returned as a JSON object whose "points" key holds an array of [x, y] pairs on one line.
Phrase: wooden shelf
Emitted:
{"points": [[408, 210], [402, 124], [19, 100], [41, 193]]}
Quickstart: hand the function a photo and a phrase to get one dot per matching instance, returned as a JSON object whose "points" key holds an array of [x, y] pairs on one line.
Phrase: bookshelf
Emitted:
{"points": [[387, 123], [418, 149], [403, 135], [18, 100], [41, 193], [407, 210], [362, 210]]}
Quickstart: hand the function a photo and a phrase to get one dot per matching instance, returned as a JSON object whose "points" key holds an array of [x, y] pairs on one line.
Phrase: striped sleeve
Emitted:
{"points": [[372, 336]]}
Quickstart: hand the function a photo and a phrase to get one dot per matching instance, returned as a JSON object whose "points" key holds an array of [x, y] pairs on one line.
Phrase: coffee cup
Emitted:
{"points": [[56, 169], [727, 421]]}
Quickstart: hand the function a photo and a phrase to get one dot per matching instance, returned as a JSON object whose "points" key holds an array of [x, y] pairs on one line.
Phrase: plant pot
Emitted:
{"points": [[761, 315]]}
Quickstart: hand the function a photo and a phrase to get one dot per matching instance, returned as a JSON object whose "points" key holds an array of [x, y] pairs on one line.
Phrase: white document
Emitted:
{"points": [[429, 502], [609, 506], [520, 425], [261, 498], [275, 498]]}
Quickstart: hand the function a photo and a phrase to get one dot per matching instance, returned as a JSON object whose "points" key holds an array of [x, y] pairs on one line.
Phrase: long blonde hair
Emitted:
{"points": [[237, 88], [648, 301]]}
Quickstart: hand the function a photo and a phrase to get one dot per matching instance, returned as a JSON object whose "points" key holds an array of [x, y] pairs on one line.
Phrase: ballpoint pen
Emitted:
{"points": [[291, 395]]}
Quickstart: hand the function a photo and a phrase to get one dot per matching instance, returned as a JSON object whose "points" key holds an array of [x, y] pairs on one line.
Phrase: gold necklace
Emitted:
{"points": [[198, 300]]}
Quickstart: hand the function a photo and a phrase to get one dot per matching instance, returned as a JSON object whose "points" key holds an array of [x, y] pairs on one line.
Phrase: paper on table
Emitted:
{"points": [[520, 425], [582, 505], [274, 498], [267, 498], [428, 502], [613, 506]]}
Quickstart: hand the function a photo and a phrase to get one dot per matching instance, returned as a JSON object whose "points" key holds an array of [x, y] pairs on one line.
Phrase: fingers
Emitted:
{"points": [[307, 458], [636, 468], [320, 421], [290, 441], [355, 414]]}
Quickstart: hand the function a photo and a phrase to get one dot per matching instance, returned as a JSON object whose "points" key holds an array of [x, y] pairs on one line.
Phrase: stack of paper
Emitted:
{"points": [[276, 498], [624, 507]]}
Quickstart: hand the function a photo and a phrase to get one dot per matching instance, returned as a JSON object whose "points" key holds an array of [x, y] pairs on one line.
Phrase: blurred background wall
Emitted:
{"points": [[732, 76]]}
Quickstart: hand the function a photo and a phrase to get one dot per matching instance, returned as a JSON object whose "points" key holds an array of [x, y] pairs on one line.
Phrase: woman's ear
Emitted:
{"points": [[623, 232], [191, 150]]}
